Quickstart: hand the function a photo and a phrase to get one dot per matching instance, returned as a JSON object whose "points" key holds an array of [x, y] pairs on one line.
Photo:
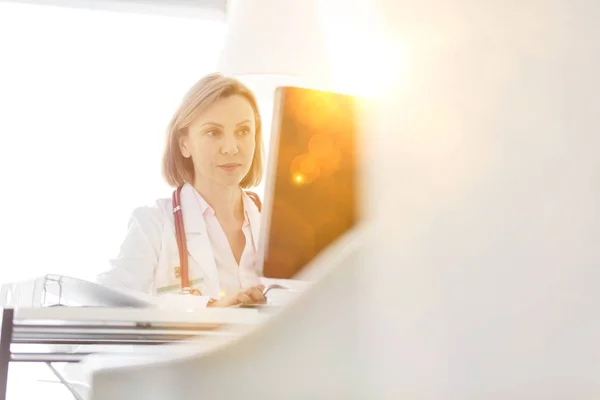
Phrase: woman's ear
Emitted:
{"points": [[183, 146]]}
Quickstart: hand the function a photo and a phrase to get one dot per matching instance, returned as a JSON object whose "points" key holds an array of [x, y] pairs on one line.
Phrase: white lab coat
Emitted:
{"points": [[148, 256]]}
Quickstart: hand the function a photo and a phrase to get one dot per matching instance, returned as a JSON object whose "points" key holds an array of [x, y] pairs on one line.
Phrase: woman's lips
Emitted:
{"points": [[229, 167]]}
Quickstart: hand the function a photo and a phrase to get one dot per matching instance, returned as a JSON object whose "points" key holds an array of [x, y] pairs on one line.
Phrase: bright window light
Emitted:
{"points": [[85, 98], [364, 61]]}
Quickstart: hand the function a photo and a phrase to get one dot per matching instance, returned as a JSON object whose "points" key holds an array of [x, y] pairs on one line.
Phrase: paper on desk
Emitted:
{"points": [[292, 284], [280, 297]]}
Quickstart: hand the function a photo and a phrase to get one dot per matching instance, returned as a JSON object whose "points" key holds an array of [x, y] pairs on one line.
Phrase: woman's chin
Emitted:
{"points": [[233, 181], [232, 177]]}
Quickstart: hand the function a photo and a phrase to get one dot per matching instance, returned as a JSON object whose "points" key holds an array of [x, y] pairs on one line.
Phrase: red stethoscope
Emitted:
{"points": [[182, 243]]}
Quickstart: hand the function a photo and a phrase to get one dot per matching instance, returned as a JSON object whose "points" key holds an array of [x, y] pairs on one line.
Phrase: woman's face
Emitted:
{"points": [[221, 142]]}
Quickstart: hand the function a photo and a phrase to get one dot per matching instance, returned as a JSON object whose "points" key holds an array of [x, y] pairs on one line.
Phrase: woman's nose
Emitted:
{"points": [[229, 146]]}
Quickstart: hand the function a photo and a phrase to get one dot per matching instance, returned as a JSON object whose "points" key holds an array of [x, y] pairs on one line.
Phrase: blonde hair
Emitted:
{"points": [[177, 169]]}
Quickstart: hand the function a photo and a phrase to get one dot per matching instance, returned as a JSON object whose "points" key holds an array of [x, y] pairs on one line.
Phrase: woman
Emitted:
{"points": [[213, 151]]}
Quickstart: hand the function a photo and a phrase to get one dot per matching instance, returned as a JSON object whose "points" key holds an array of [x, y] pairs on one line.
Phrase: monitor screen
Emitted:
{"points": [[311, 187]]}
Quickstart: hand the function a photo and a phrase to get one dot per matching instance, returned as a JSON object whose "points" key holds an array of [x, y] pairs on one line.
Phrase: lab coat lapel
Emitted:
{"points": [[254, 218], [198, 242]]}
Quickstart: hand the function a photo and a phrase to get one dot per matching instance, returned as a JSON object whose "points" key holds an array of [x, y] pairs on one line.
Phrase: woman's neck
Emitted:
{"points": [[226, 201]]}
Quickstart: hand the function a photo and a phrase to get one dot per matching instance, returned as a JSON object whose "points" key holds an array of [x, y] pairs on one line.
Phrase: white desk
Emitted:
{"points": [[87, 330], [70, 334]]}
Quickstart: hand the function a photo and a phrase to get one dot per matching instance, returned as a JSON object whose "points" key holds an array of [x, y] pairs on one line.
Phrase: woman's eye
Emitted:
{"points": [[212, 132], [244, 131]]}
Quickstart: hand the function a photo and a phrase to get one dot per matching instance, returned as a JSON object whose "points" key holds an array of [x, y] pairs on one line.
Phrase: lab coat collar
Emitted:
{"points": [[192, 210], [254, 218]]}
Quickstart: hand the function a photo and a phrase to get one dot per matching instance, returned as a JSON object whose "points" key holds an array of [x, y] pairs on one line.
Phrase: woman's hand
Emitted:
{"points": [[252, 295]]}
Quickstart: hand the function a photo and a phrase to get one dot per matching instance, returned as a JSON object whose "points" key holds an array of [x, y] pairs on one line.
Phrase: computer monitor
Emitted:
{"points": [[312, 180]]}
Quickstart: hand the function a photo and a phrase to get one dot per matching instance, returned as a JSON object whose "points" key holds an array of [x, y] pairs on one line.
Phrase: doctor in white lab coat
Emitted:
{"points": [[213, 152]]}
